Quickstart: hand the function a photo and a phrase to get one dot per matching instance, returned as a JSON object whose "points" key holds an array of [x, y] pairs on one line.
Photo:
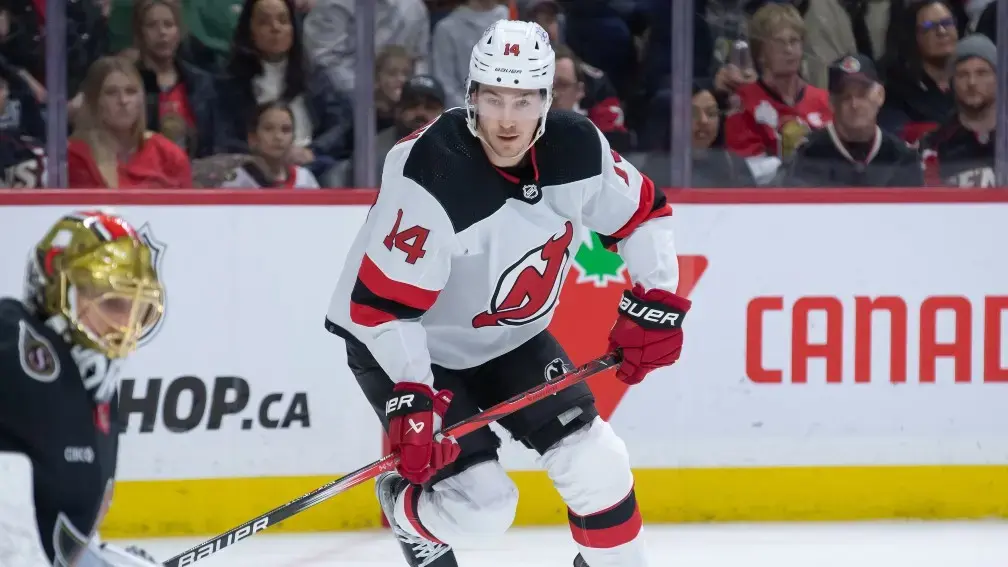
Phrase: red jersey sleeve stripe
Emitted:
{"points": [[385, 287], [368, 316], [651, 205]]}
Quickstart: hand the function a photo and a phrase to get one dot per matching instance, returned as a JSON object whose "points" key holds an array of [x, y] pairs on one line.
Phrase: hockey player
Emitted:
{"points": [[92, 294], [449, 287]]}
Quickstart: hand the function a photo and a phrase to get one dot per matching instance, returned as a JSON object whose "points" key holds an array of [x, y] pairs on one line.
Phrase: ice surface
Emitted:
{"points": [[707, 545]]}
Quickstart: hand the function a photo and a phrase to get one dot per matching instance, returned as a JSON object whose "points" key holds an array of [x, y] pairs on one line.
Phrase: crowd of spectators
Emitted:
{"points": [[260, 93]]}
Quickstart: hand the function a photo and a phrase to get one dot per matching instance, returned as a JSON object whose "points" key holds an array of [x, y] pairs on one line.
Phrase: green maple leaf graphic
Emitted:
{"points": [[597, 265]]}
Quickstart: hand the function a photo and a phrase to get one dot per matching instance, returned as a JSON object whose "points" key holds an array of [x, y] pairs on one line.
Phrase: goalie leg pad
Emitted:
{"points": [[479, 501], [590, 468]]}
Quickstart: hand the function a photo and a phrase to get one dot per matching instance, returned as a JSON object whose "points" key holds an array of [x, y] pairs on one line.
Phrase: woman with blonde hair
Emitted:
{"points": [[110, 146], [770, 118]]}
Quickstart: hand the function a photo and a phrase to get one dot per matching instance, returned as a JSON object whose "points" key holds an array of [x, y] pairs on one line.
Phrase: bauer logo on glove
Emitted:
{"points": [[648, 333], [650, 314]]}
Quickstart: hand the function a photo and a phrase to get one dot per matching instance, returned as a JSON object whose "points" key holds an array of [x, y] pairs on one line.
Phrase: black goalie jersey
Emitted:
{"points": [[460, 262], [47, 415]]}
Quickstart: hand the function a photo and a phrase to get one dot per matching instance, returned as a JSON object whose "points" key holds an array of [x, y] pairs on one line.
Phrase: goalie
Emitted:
{"points": [[92, 293]]}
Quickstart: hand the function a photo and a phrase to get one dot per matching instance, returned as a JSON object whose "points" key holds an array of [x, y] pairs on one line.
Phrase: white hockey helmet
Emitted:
{"points": [[512, 54]]}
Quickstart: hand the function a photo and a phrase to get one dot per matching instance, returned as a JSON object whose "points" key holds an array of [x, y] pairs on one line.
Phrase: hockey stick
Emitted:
{"points": [[389, 462]]}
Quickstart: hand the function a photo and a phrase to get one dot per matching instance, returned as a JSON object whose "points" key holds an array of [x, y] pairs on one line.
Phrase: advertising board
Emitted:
{"points": [[842, 360]]}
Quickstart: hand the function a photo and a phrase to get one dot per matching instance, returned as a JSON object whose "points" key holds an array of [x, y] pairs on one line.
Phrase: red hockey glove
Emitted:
{"points": [[648, 331], [415, 412]]}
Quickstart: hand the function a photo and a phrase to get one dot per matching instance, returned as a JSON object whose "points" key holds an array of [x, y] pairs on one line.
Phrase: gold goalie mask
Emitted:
{"points": [[94, 270]]}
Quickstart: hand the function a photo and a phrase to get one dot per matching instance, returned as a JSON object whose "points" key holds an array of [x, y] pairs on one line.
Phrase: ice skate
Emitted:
{"points": [[580, 562], [419, 552]]}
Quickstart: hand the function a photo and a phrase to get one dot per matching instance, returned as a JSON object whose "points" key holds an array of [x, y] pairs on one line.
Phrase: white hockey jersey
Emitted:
{"points": [[249, 176], [460, 262]]}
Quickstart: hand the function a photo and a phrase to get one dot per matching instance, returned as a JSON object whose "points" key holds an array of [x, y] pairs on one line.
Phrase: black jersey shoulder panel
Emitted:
{"points": [[448, 162]]}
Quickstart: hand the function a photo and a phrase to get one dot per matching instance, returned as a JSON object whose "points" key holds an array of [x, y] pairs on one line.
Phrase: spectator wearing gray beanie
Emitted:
{"points": [[976, 45], [960, 153]]}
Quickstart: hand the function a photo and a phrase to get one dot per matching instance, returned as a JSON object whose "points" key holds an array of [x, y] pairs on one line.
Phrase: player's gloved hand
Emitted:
{"points": [[415, 412], [648, 331]]}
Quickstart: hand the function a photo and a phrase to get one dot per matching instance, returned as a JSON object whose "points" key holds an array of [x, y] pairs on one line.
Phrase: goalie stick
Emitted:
{"points": [[389, 462]]}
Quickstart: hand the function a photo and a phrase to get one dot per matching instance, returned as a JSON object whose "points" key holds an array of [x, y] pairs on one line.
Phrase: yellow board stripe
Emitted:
{"points": [[212, 506]]}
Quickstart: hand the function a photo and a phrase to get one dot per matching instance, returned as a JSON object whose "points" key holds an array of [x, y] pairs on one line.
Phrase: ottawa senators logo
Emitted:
{"points": [[529, 288]]}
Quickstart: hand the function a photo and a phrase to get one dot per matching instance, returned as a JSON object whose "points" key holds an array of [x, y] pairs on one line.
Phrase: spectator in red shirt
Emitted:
{"points": [[180, 98], [770, 117], [110, 146]]}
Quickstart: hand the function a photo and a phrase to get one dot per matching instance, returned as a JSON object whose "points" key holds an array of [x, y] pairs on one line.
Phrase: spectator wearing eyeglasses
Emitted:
{"points": [[771, 117], [584, 89], [852, 151], [960, 153], [268, 64], [917, 76]]}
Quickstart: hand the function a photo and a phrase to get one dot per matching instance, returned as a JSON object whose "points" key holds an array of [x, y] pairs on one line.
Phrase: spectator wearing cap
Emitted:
{"points": [[852, 151], [917, 74], [331, 40], [960, 153], [571, 84], [423, 99], [453, 41]]}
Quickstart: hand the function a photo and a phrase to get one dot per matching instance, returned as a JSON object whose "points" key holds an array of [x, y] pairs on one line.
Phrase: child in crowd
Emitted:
{"points": [[271, 138]]}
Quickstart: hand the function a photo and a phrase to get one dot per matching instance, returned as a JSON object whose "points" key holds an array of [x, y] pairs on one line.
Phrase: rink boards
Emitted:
{"points": [[843, 360]]}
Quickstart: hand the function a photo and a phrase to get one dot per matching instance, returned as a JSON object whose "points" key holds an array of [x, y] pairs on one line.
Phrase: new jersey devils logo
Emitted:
{"points": [[529, 288]]}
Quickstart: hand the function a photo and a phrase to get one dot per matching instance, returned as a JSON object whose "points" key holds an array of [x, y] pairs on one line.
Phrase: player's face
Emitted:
{"points": [[160, 32], [975, 84], [936, 31], [119, 102], [272, 30], [567, 89], [274, 136], [782, 55], [508, 119], [856, 107], [114, 317], [706, 119]]}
